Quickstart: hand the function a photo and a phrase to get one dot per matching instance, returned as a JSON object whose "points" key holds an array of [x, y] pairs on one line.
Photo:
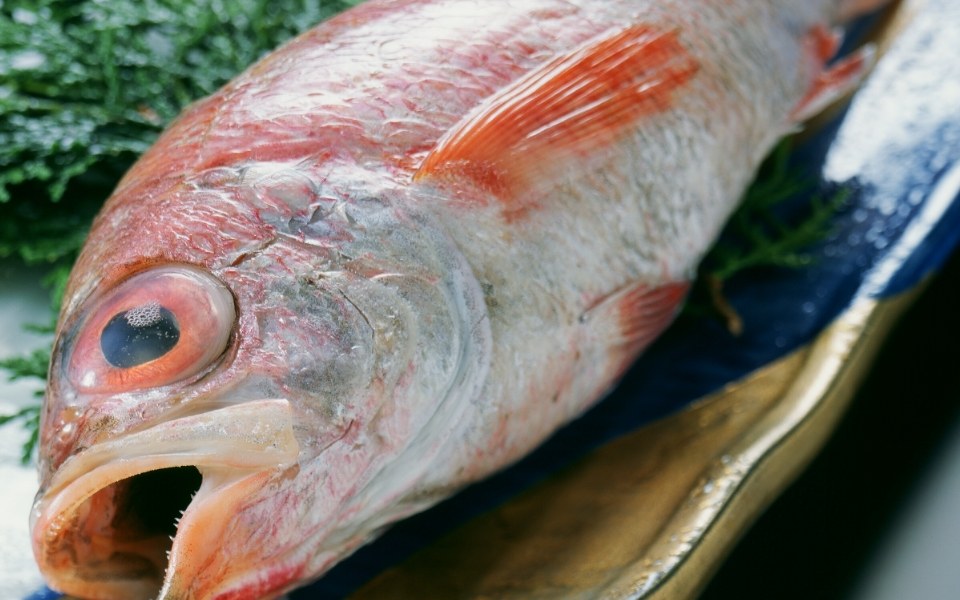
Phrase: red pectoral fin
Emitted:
{"points": [[631, 318], [565, 108], [646, 311]]}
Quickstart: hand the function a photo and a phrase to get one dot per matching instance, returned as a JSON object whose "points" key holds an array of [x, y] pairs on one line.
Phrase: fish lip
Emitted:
{"points": [[232, 445]]}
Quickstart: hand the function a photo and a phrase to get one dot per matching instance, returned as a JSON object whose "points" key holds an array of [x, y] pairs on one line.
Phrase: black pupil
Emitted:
{"points": [[139, 335]]}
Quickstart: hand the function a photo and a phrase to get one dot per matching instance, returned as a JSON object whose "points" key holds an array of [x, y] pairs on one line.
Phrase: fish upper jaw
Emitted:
{"points": [[89, 538]]}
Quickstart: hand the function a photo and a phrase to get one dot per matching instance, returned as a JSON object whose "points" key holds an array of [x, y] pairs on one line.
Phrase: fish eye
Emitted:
{"points": [[158, 327], [139, 335]]}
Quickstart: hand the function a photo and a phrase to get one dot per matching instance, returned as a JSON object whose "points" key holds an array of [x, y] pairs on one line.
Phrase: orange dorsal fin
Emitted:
{"points": [[566, 108]]}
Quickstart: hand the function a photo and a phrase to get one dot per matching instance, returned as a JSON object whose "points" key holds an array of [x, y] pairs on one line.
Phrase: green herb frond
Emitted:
{"points": [[29, 417], [762, 237], [772, 242], [27, 366], [762, 234], [33, 365]]}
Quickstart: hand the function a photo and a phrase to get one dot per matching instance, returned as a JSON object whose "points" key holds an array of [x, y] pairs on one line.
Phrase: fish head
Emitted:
{"points": [[203, 406]]}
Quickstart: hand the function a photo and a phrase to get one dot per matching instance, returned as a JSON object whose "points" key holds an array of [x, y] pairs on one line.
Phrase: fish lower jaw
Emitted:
{"points": [[132, 517]]}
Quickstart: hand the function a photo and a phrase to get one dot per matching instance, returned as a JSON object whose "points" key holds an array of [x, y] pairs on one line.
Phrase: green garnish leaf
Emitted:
{"points": [[27, 366], [33, 365], [762, 237]]}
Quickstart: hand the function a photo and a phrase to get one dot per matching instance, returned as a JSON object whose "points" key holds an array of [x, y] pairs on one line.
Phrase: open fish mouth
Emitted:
{"points": [[109, 525]]}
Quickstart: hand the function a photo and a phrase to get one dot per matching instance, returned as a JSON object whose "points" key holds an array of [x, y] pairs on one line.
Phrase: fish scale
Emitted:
{"points": [[401, 251]]}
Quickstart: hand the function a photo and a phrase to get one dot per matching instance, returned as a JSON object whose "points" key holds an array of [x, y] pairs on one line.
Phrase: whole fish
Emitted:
{"points": [[389, 259]]}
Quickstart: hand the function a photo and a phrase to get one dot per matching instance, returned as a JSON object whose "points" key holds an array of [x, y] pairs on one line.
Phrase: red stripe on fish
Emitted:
{"points": [[269, 583], [568, 107]]}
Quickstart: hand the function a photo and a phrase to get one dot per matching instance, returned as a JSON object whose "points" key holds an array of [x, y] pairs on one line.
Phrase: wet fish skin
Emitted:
{"points": [[420, 296]]}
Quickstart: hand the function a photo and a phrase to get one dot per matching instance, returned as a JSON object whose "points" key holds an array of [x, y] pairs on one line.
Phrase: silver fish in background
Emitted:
{"points": [[389, 259]]}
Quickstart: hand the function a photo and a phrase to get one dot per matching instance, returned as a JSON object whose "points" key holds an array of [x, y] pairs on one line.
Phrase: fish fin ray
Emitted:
{"points": [[563, 109], [644, 311], [835, 81], [632, 317]]}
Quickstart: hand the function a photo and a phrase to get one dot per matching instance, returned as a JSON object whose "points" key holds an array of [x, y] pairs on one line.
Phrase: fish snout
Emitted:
{"points": [[118, 518]]}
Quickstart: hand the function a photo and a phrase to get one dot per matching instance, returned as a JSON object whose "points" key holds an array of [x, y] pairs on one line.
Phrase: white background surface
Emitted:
{"points": [[21, 301], [919, 556]]}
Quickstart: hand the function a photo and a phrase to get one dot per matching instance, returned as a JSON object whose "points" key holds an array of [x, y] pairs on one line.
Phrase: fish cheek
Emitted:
{"points": [[327, 381], [324, 345]]}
